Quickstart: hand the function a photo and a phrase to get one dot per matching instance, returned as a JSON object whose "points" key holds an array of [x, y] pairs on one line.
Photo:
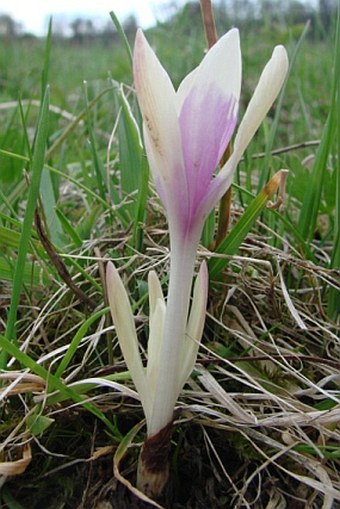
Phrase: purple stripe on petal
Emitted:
{"points": [[171, 184], [207, 121]]}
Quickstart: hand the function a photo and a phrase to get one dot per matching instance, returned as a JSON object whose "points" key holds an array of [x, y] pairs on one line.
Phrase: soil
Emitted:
{"points": [[197, 479]]}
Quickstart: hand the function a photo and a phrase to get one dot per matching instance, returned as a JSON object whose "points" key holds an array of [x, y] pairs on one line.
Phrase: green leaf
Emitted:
{"points": [[134, 169], [122, 35], [32, 274], [230, 245], [76, 341], [48, 200], [38, 424], [334, 293], [68, 228], [35, 176], [53, 382]]}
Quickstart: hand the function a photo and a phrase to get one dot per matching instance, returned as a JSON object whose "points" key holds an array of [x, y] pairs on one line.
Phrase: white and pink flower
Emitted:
{"points": [[186, 133]]}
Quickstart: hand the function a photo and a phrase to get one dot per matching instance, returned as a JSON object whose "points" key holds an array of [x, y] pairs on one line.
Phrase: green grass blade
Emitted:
{"points": [[48, 202], [122, 35], [264, 175], [10, 238], [86, 189], [143, 192], [98, 167], [85, 387], [35, 176], [235, 237], [32, 274], [130, 149], [5, 203], [74, 124], [134, 169], [9, 500], [20, 157], [334, 293], [54, 383], [46, 67], [311, 202], [68, 228], [24, 125], [76, 341], [208, 234]]}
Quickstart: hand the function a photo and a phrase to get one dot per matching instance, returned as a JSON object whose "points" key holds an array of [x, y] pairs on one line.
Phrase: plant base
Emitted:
{"points": [[153, 464]]}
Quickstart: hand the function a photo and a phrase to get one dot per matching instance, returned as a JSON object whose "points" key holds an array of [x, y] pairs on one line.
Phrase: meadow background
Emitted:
{"points": [[259, 417]]}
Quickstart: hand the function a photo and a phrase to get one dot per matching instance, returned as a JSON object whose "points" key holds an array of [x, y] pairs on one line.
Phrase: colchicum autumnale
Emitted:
{"points": [[186, 133]]}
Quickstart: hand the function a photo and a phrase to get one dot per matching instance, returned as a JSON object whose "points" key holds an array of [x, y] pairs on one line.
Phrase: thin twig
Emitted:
{"points": [[289, 357], [208, 22], [109, 335], [289, 148], [59, 264], [225, 202]]}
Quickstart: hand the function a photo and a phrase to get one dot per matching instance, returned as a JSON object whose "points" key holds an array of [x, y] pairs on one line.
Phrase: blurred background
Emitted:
{"points": [[80, 19], [86, 47]]}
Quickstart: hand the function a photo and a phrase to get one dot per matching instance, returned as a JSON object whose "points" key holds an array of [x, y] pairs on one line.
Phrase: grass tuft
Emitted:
{"points": [[257, 424]]}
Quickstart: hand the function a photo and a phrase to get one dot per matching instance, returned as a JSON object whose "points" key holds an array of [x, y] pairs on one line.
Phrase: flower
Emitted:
{"points": [[186, 131], [185, 134]]}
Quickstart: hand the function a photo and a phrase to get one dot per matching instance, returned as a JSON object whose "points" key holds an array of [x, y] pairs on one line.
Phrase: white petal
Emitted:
{"points": [[157, 308], [156, 326], [266, 92], [157, 101], [221, 65], [125, 328], [195, 325], [185, 87], [155, 290]]}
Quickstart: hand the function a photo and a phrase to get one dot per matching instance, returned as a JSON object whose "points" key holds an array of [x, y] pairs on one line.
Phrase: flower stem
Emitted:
{"points": [[182, 261], [225, 204]]}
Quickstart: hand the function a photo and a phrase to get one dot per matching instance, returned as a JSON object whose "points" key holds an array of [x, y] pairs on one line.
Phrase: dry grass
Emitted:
{"points": [[264, 394]]}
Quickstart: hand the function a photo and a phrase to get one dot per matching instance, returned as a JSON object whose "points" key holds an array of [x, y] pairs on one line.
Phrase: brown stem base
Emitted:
{"points": [[153, 464]]}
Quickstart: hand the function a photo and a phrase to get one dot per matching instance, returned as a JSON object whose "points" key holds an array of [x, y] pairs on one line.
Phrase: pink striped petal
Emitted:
{"points": [[207, 122]]}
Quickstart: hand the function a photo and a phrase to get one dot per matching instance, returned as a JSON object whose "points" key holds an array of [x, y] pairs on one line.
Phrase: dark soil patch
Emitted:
{"points": [[71, 482]]}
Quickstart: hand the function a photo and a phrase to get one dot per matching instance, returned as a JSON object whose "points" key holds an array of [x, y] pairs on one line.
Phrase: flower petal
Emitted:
{"points": [[157, 311], [156, 326], [155, 290], [208, 103], [195, 326], [206, 133], [267, 90], [222, 65], [125, 328], [157, 101]]}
